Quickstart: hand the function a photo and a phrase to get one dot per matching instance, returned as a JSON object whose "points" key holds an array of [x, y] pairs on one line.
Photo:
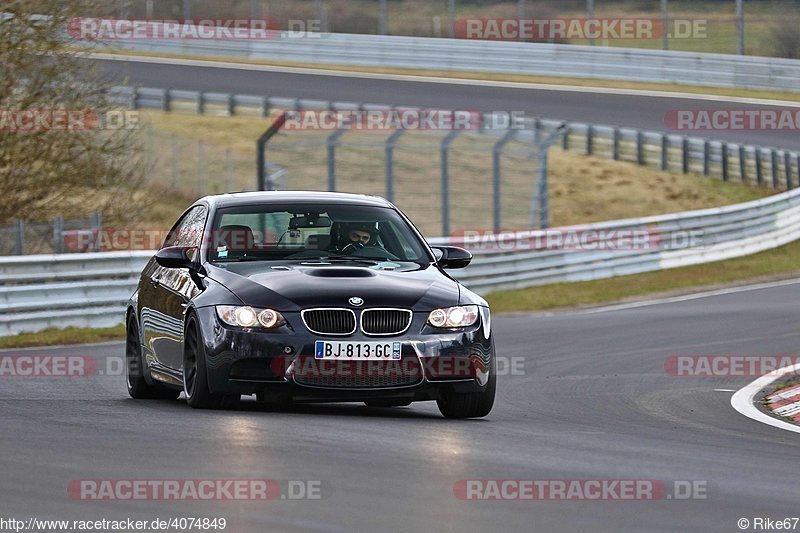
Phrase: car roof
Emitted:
{"points": [[288, 197]]}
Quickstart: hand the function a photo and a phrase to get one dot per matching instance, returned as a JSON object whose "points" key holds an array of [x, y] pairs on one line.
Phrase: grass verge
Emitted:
{"points": [[55, 337], [781, 262]]}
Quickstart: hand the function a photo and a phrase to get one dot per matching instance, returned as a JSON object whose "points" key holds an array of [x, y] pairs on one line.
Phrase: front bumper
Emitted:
{"points": [[281, 363]]}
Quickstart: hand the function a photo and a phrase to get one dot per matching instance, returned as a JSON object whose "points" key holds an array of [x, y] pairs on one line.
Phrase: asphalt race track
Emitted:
{"points": [[609, 109], [594, 402]]}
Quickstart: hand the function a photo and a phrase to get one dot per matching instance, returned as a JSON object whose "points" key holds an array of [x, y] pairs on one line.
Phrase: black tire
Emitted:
{"points": [[195, 375], [470, 404], [138, 387], [388, 403]]}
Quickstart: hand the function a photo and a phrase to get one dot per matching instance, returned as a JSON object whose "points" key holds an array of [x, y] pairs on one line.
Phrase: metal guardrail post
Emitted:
{"points": [[664, 151], [724, 148], [496, 204], [797, 164], [19, 233], [565, 138], [685, 154], [261, 149], [201, 104], [742, 164], [333, 138], [774, 168], [390, 144], [231, 105], [615, 145], [640, 160], [97, 225], [264, 107], [444, 151], [58, 234], [165, 100], [759, 170], [134, 103], [589, 139], [787, 168], [706, 157]]}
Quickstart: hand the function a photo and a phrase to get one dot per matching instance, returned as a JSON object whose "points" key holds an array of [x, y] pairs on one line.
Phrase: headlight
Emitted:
{"points": [[249, 317], [454, 317]]}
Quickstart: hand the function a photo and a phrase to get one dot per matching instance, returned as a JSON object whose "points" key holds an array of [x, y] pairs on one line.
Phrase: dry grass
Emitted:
{"points": [[583, 188]]}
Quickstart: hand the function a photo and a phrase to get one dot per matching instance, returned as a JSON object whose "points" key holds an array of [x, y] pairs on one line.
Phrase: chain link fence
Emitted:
{"points": [[446, 181], [47, 237]]}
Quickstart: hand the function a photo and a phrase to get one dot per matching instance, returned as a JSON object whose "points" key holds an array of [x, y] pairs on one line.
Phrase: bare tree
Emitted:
{"points": [[64, 147]]}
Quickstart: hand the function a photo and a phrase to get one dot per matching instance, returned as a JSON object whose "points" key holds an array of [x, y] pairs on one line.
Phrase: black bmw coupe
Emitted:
{"points": [[307, 297]]}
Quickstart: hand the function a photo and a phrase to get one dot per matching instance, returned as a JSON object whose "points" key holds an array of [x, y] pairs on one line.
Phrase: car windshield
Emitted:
{"points": [[333, 233]]}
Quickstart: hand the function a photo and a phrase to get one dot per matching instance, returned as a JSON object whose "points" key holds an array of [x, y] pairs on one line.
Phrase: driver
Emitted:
{"points": [[354, 236]]}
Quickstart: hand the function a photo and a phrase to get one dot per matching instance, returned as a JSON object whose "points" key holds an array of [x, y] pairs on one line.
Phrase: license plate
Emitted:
{"points": [[357, 351]]}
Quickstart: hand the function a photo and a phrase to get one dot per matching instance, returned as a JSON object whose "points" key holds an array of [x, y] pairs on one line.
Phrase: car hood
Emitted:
{"points": [[302, 286]]}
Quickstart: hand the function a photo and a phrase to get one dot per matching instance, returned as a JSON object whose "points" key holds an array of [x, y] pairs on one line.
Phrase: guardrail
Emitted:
{"points": [[540, 59], [778, 168], [90, 290]]}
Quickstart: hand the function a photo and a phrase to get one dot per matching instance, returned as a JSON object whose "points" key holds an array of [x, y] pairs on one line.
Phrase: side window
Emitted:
{"points": [[189, 231]]}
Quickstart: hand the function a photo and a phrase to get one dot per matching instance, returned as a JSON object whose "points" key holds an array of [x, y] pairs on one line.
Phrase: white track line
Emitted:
{"points": [[743, 399], [438, 79], [686, 297]]}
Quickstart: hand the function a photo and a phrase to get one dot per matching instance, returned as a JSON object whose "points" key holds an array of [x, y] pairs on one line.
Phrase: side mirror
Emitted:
{"points": [[452, 256], [176, 257]]}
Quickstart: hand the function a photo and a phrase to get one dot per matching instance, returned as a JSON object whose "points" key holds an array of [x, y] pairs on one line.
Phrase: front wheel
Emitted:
{"points": [[470, 404], [138, 387], [195, 374]]}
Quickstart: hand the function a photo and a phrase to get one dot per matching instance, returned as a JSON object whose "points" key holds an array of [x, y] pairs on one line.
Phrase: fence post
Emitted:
{"points": [[496, 204], [664, 151], [231, 105], [724, 148], [444, 152], [265, 107], [774, 168], [200, 103], [615, 145], [333, 138], [19, 230], [685, 154], [97, 225], [706, 157], [589, 139], [759, 173], [565, 137], [640, 148], [58, 234], [134, 104], [787, 168], [166, 100], [390, 143], [541, 195], [742, 163]]}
